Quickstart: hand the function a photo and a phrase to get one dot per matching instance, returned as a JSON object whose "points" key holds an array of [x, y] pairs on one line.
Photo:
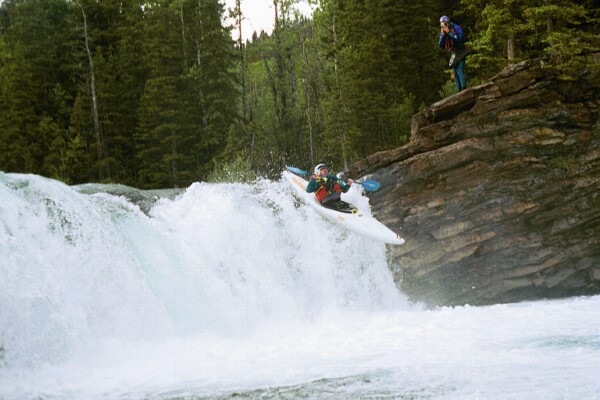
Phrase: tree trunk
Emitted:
{"points": [[249, 141], [199, 61], [511, 48], [174, 172], [279, 111], [183, 41], [254, 96], [307, 90], [273, 85], [339, 92], [315, 88], [95, 116], [279, 62], [550, 30], [289, 59]]}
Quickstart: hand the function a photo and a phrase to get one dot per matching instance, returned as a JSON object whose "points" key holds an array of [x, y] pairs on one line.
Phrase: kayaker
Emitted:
{"points": [[328, 188]]}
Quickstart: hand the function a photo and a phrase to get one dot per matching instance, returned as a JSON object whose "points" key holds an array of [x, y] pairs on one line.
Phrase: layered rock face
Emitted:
{"points": [[498, 192]]}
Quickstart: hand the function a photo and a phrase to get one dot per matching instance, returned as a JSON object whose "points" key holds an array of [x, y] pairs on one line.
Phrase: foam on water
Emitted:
{"points": [[235, 289]]}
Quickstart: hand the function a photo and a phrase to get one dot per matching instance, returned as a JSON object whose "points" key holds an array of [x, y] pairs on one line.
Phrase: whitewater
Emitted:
{"points": [[240, 291]]}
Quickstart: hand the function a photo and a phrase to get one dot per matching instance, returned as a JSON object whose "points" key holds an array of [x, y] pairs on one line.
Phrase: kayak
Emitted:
{"points": [[357, 221]]}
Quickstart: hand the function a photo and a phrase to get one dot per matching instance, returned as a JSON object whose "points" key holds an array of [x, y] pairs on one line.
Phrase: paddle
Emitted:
{"points": [[368, 184], [297, 170]]}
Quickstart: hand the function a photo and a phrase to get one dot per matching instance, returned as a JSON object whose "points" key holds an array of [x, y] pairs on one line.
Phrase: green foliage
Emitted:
{"points": [[34, 84], [497, 23], [449, 89], [168, 85], [65, 152], [167, 134], [567, 163], [383, 60], [237, 170], [564, 166], [562, 30], [564, 43]]}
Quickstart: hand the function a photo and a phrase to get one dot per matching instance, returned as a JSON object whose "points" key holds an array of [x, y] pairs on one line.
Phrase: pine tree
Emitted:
{"points": [[383, 62], [556, 24], [498, 36], [275, 106], [215, 82], [123, 77], [159, 137], [166, 134], [512, 30], [189, 100], [100, 28], [36, 81], [336, 110]]}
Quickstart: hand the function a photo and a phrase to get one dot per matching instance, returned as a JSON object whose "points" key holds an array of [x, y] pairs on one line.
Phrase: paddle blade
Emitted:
{"points": [[370, 185], [296, 170]]}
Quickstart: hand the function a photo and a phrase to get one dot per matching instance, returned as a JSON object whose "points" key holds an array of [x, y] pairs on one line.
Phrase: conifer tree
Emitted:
{"points": [[36, 84], [166, 134], [556, 24], [160, 137], [512, 30], [103, 167], [336, 110], [125, 79], [383, 62], [214, 80]]}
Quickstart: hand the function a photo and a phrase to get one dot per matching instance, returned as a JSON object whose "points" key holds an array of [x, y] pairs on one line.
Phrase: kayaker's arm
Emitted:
{"points": [[312, 186], [345, 185]]}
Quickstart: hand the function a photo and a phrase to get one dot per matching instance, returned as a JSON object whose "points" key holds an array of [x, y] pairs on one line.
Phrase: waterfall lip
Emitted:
{"points": [[145, 199]]}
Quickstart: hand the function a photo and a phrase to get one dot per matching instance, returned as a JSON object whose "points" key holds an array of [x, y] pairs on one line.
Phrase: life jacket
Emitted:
{"points": [[326, 188]]}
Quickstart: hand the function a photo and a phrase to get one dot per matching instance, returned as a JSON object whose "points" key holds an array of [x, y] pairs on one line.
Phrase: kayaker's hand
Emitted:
{"points": [[350, 181], [315, 177]]}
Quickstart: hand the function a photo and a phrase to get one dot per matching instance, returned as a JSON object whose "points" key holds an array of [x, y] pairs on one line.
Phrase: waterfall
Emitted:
{"points": [[221, 258], [232, 291]]}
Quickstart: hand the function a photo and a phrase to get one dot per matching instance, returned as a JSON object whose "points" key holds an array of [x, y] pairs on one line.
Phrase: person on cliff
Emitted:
{"points": [[328, 188], [452, 41]]}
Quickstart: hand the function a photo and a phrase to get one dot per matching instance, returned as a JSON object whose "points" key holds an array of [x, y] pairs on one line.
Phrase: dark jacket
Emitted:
{"points": [[453, 40]]}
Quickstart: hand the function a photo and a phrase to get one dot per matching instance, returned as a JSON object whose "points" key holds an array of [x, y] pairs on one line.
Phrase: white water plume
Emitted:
{"points": [[219, 259]]}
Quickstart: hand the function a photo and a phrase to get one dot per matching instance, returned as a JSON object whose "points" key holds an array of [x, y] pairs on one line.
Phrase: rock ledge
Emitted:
{"points": [[498, 192]]}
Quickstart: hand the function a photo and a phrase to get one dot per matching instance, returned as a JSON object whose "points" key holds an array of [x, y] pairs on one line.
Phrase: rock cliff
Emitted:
{"points": [[498, 192]]}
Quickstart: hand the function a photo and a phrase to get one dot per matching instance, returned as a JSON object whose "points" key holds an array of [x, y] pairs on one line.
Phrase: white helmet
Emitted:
{"points": [[319, 167]]}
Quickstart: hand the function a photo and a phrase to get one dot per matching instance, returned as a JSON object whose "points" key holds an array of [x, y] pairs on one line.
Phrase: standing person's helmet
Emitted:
{"points": [[319, 167], [444, 19]]}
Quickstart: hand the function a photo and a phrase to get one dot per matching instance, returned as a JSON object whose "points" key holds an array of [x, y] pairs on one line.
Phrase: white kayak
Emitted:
{"points": [[357, 221]]}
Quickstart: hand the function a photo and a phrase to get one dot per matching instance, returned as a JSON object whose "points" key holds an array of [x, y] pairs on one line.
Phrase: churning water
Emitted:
{"points": [[237, 291]]}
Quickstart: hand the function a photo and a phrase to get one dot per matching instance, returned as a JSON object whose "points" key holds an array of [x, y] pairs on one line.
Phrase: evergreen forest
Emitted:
{"points": [[158, 94]]}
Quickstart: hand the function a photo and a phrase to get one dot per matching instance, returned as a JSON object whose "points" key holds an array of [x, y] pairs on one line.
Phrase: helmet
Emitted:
{"points": [[444, 19], [319, 167]]}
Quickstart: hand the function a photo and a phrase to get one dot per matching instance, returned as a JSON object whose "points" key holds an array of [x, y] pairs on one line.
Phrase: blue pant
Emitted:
{"points": [[459, 76]]}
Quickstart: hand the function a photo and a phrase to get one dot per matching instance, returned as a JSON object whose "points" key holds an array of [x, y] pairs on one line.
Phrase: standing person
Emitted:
{"points": [[328, 188], [452, 40]]}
